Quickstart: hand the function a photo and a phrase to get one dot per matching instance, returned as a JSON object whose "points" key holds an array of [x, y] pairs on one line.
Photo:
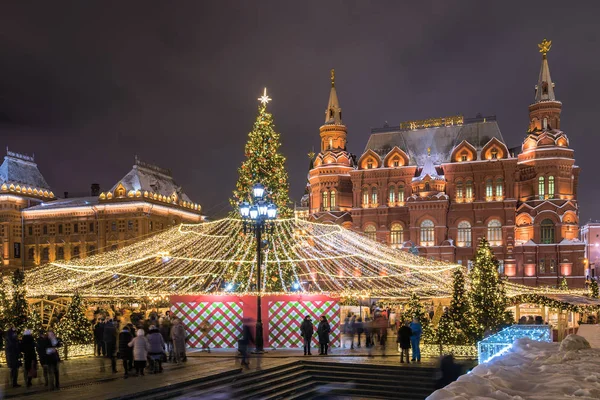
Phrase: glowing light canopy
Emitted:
{"points": [[217, 257]]}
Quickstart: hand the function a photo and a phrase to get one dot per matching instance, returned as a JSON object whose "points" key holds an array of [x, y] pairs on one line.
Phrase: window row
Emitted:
{"points": [[60, 253], [493, 190], [328, 200], [395, 195], [60, 228], [542, 192]]}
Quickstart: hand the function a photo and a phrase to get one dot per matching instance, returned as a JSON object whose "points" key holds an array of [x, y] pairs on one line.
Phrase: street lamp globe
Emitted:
{"points": [[262, 209], [272, 211], [245, 209], [253, 213], [258, 190]]}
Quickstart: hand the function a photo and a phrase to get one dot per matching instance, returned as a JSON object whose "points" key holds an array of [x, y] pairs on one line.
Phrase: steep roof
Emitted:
{"points": [[66, 203], [22, 169], [441, 139], [333, 113], [150, 178]]}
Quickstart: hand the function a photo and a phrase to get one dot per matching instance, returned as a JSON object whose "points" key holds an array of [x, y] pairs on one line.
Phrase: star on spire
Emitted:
{"points": [[264, 98], [545, 46]]}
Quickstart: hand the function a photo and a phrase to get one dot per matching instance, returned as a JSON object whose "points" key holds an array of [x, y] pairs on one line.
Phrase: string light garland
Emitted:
{"points": [[218, 258]]}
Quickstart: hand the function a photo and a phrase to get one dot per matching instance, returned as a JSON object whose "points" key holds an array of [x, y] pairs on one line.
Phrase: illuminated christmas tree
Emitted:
{"points": [[446, 333], [264, 164], [563, 284], [594, 289], [34, 322], [74, 327], [4, 306], [416, 310], [459, 311], [18, 306], [487, 295]]}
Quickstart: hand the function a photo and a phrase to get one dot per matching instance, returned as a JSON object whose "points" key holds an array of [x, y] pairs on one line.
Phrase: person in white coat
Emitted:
{"points": [[140, 351]]}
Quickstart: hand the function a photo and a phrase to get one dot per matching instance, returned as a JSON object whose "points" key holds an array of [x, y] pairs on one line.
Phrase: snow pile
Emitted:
{"points": [[532, 370]]}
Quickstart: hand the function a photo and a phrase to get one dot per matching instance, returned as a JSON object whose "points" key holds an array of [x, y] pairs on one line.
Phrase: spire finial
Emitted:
{"points": [[428, 151], [545, 47], [332, 77], [264, 99]]}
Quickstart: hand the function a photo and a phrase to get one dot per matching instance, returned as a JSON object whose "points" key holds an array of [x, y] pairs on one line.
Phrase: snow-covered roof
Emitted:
{"points": [[150, 178], [66, 203], [22, 169]]}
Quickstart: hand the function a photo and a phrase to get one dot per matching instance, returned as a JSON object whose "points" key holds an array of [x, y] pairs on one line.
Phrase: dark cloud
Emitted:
{"points": [[86, 85]]}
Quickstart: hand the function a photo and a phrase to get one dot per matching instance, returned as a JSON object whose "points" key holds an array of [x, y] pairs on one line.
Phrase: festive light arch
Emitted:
{"points": [[218, 258]]}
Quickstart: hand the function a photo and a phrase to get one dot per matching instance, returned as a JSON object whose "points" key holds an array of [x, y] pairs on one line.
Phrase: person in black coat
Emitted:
{"points": [[41, 347], [29, 356], [323, 330], [245, 341], [12, 353], [450, 371], [99, 338], [307, 330], [125, 352], [110, 341], [404, 334]]}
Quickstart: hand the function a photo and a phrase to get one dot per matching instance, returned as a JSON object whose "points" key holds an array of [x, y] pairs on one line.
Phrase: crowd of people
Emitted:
{"points": [[142, 347], [28, 351]]}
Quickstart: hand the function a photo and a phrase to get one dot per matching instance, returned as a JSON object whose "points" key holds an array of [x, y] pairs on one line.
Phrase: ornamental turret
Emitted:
{"points": [[333, 132], [544, 113]]}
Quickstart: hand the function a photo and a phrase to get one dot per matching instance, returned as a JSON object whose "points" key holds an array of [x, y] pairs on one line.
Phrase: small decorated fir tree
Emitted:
{"points": [[18, 306], [264, 164], [563, 284], [459, 311], [446, 333], [34, 322], [594, 289], [487, 294], [74, 327]]}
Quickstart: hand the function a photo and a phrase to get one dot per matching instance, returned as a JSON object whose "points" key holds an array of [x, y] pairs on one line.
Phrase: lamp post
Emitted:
{"points": [[257, 217]]}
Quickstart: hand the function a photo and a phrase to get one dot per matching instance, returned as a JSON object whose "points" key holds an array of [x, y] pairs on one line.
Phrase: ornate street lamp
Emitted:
{"points": [[257, 217]]}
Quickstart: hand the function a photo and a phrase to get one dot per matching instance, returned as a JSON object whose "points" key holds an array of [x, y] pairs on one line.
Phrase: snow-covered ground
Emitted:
{"points": [[532, 370]]}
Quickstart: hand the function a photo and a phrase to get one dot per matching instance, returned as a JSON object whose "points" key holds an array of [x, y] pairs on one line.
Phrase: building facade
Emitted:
{"points": [[37, 228], [437, 186], [590, 235]]}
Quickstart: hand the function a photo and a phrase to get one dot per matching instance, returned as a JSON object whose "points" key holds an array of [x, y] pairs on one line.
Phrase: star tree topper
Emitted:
{"points": [[264, 99]]}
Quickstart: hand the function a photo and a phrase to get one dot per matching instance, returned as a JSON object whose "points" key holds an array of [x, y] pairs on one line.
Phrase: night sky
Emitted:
{"points": [[87, 85]]}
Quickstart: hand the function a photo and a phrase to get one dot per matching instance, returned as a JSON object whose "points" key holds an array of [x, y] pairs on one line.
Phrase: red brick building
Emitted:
{"points": [[436, 186]]}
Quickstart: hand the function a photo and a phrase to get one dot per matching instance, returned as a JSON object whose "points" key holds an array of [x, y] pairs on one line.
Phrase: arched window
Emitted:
{"points": [[369, 164], [463, 156], [60, 253], [427, 233], [374, 195], [331, 143], [494, 153], [365, 196], [45, 229], [401, 193], [60, 229], [396, 234], [75, 252], [371, 232], [499, 188], [551, 186], [469, 190], [332, 199], [392, 195], [45, 254], [396, 163], [464, 234], [325, 196], [459, 190], [547, 231], [427, 186], [494, 232], [488, 189], [541, 187]]}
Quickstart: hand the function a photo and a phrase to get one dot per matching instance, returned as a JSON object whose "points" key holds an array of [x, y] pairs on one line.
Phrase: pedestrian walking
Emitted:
{"points": [[12, 354], [140, 351], [415, 339], [307, 330], [165, 331], [125, 352], [359, 329], [178, 337], [245, 341], [323, 330], [41, 346], [100, 348], [53, 359], [110, 341], [27, 348], [404, 339], [205, 328], [157, 349]]}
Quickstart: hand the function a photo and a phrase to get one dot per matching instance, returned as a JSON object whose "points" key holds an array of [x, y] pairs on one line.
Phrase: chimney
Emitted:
{"points": [[66, 195], [95, 189]]}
